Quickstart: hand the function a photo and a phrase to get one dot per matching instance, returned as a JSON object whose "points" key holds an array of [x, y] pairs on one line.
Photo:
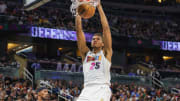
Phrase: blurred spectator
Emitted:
{"points": [[155, 78], [43, 94], [36, 65], [59, 66], [3, 7]]}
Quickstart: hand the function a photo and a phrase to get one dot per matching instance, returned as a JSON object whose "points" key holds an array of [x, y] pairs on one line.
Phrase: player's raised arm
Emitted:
{"points": [[81, 41], [106, 33]]}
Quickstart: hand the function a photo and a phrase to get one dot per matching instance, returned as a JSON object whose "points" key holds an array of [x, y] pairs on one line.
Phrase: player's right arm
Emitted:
{"points": [[81, 40]]}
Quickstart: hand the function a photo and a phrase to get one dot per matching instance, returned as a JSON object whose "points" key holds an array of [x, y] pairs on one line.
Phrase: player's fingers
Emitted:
{"points": [[77, 15]]}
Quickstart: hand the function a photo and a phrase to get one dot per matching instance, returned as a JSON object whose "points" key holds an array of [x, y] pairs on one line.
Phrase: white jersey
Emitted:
{"points": [[96, 69]]}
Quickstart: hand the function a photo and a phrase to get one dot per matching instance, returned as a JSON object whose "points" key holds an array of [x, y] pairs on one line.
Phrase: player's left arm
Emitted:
{"points": [[106, 33]]}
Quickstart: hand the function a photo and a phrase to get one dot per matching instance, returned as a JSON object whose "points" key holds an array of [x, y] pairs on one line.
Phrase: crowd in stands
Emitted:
{"points": [[58, 15], [133, 92], [12, 89], [5, 61], [151, 2], [166, 66], [120, 92]]}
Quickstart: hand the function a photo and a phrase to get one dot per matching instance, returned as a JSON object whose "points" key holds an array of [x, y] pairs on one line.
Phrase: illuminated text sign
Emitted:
{"points": [[170, 46], [57, 34]]}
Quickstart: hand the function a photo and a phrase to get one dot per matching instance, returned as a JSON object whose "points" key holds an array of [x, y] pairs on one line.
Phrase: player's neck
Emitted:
{"points": [[39, 98], [96, 50]]}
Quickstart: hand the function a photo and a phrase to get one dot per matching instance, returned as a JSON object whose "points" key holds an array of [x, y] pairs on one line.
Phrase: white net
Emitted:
{"points": [[76, 3]]}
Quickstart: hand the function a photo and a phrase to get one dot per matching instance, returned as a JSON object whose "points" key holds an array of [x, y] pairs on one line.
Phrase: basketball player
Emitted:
{"points": [[96, 62]]}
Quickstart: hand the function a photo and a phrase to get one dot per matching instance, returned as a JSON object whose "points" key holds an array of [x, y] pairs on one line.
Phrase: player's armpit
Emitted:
{"points": [[83, 49], [107, 44], [81, 40], [108, 54]]}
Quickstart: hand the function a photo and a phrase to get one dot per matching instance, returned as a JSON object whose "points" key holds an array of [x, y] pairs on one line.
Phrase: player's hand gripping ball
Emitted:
{"points": [[86, 11]]}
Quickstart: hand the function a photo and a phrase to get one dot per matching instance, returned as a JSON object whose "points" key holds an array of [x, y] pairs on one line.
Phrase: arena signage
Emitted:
{"points": [[57, 34], [170, 46], [57, 67]]}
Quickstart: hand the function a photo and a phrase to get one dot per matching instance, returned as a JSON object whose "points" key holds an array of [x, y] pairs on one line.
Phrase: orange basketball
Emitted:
{"points": [[86, 11]]}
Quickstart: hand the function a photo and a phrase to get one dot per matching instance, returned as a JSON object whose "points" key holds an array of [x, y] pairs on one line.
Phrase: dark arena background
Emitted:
{"points": [[38, 49]]}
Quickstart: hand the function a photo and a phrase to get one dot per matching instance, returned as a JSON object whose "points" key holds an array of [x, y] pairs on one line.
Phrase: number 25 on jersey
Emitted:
{"points": [[95, 65]]}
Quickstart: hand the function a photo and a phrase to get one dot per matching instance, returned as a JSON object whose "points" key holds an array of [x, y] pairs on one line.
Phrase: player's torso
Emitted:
{"points": [[96, 68]]}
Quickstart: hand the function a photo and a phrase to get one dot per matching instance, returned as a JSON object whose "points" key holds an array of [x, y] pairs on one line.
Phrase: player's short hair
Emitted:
{"points": [[40, 89], [99, 34]]}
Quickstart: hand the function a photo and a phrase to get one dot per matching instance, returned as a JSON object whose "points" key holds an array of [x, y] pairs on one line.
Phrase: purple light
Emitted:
{"points": [[170, 46], [57, 34]]}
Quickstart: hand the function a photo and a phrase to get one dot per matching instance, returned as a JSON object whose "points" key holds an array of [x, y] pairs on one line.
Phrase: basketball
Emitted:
{"points": [[86, 11]]}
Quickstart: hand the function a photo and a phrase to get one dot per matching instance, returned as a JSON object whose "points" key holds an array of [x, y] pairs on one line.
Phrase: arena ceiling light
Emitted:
{"points": [[12, 45], [32, 4], [167, 58], [160, 1]]}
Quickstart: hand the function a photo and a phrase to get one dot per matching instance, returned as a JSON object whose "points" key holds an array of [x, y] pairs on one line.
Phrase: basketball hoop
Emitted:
{"points": [[76, 3]]}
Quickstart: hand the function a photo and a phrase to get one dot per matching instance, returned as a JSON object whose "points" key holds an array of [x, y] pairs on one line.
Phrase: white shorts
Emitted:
{"points": [[95, 93]]}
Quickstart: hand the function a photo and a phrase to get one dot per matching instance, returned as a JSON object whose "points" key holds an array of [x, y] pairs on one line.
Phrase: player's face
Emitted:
{"points": [[44, 94], [97, 42]]}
